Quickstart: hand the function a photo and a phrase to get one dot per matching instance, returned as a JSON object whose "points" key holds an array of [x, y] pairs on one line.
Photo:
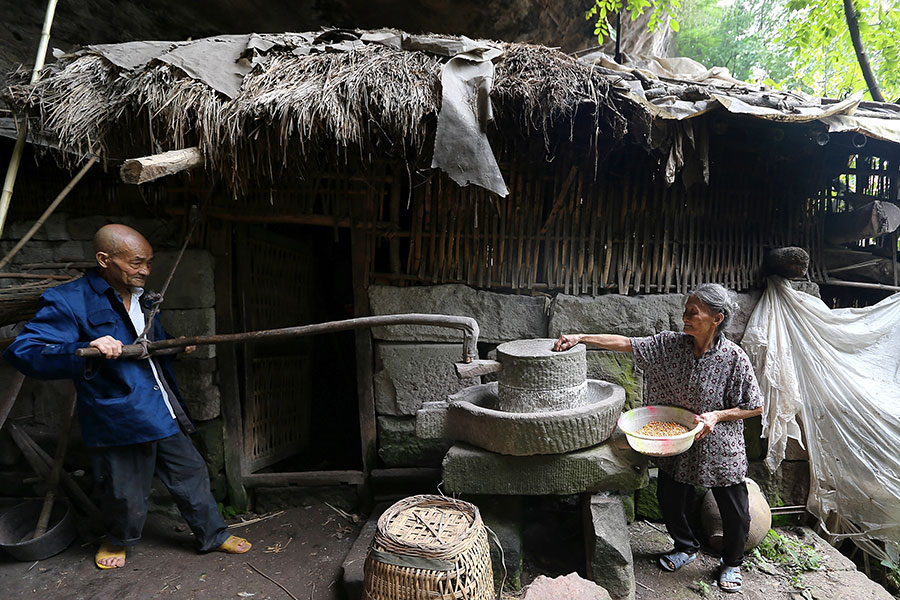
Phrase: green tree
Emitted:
{"points": [[737, 36], [815, 32], [602, 10]]}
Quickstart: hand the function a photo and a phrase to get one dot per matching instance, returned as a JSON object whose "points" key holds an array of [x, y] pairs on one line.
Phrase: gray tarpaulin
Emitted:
{"points": [[214, 61], [461, 147]]}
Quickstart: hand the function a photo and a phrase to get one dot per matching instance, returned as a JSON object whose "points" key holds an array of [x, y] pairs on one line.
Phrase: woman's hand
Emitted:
{"points": [[709, 421], [566, 341]]}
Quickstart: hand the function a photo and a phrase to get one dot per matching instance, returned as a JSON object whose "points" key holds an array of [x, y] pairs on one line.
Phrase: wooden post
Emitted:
{"points": [[148, 168], [220, 244], [361, 209]]}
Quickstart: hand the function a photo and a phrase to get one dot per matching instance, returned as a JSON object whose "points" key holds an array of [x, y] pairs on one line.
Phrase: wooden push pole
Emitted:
{"points": [[16, 158]]}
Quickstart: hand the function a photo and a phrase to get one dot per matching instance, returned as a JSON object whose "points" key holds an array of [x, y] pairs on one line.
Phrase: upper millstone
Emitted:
{"points": [[536, 379]]}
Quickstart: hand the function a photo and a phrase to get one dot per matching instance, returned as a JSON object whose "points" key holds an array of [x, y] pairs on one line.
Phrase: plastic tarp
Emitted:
{"points": [[839, 372]]}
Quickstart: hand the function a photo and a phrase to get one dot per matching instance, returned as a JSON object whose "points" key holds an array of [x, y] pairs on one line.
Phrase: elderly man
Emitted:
{"points": [[132, 416]]}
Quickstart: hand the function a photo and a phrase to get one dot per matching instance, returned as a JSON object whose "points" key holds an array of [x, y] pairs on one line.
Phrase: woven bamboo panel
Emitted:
{"points": [[429, 547], [277, 413], [562, 229]]}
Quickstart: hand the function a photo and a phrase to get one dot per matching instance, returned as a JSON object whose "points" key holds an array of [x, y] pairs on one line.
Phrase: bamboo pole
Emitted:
{"points": [[53, 479], [13, 169]]}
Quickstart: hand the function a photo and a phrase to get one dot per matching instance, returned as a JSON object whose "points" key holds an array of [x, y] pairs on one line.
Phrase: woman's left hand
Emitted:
{"points": [[709, 421]]}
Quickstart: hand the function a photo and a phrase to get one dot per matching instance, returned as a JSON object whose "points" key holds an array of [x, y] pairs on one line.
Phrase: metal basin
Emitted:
{"points": [[17, 527], [632, 421]]}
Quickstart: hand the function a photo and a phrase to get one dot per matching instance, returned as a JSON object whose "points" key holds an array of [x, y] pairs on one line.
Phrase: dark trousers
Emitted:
{"points": [[676, 500], [124, 474]]}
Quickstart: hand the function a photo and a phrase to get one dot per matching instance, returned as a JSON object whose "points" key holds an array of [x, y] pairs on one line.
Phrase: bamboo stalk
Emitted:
{"points": [[608, 243], [53, 479], [15, 160]]}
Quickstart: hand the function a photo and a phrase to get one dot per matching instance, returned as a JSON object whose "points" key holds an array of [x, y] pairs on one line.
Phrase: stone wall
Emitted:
{"points": [[189, 309]]}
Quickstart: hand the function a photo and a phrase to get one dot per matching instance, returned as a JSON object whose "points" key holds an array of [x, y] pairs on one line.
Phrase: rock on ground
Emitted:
{"points": [[570, 587]]}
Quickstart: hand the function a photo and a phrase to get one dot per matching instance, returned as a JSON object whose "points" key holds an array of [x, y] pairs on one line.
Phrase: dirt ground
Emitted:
{"points": [[300, 549], [298, 553]]}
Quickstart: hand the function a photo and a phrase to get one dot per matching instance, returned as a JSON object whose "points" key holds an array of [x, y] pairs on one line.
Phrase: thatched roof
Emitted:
{"points": [[256, 103]]}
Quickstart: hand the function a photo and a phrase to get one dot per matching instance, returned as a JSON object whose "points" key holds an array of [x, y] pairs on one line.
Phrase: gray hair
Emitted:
{"points": [[718, 298]]}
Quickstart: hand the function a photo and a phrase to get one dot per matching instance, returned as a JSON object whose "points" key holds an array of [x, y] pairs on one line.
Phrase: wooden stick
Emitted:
{"points": [[11, 394], [148, 168], [53, 479], [37, 225], [857, 284], [34, 276], [286, 591]]}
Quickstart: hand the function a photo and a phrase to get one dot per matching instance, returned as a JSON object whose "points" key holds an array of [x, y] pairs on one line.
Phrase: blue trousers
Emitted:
{"points": [[124, 474]]}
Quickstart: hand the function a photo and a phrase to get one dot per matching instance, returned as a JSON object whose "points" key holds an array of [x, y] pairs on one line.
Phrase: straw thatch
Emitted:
{"points": [[292, 109]]}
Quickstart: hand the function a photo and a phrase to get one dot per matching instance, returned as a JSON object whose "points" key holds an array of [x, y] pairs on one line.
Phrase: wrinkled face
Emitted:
{"points": [[699, 319], [129, 266]]}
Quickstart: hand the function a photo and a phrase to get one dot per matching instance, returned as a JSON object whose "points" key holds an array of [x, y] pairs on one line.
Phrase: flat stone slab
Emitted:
{"points": [[607, 467], [399, 446], [501, 317], [473, 417]]}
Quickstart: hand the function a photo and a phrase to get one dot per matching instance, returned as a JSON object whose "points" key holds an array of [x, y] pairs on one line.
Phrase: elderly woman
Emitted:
{"points": [[706, 373]]}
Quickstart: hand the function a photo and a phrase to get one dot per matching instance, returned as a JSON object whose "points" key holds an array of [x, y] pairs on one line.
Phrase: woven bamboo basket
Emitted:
{"points": [[429, 548]]}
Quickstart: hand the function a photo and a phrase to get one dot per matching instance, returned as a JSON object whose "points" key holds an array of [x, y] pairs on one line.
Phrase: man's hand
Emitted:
{"points": [[566, 341], [108, 346], [709, 421], [187, 349]]}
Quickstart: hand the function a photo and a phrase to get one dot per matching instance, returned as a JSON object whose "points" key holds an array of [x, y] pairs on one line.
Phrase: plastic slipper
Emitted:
{"points": [[107, 550], [731, 575], [675, 560], [231, 545]]}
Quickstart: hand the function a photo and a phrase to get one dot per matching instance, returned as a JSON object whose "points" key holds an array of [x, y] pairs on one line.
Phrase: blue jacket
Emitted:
{"points": [[119, 401]]}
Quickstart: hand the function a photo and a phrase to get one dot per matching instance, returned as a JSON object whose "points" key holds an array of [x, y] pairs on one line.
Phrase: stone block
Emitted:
{"points": [[604, 467], [200, 321], [73, 250], [200, 393], [618, 368], [54, 229], [84, 228], [209, 442], [794, 482], [161, 233], [503, 515], [193, 285], [613, 313], [608, 546], [415, 373], [32, 252], [398, 445], [794, 451], [807, 287], [628, 505], [431, 420], [635, 316], [646, 504], [756, 445], [353, 567], [769, 482], [570, 587], [500, 317]]}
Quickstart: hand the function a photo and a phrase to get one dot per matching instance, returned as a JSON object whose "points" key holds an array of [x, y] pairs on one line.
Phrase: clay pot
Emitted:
{"points": [[760, 517]]}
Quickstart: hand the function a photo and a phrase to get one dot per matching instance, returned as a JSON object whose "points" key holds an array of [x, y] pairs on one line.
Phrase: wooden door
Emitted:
{"points": [[275, 289]]}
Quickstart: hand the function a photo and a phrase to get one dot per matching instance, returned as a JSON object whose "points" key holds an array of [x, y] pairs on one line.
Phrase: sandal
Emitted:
{"points": [[107, 550], [231, 545], [675, 560], [731, 575]]}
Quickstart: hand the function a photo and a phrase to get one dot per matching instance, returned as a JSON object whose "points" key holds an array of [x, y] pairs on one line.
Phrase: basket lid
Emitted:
{"points": [[429, 526]]}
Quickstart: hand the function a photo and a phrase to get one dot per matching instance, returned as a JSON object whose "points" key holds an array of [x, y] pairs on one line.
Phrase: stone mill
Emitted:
{"points": [[544, 428]]}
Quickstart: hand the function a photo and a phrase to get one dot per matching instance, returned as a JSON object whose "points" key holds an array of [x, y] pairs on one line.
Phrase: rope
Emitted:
{"points": [[156, 300]]}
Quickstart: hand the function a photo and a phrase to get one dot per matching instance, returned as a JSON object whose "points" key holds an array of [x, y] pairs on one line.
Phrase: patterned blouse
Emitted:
{"points": [[720, 379]]}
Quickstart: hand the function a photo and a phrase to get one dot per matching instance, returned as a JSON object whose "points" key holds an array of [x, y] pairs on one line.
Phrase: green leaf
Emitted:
{"points": [[674, 25]]}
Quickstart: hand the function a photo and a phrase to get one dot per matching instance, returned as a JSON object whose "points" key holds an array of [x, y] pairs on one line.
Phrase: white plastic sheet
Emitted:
{"points": [[839, 371]]}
